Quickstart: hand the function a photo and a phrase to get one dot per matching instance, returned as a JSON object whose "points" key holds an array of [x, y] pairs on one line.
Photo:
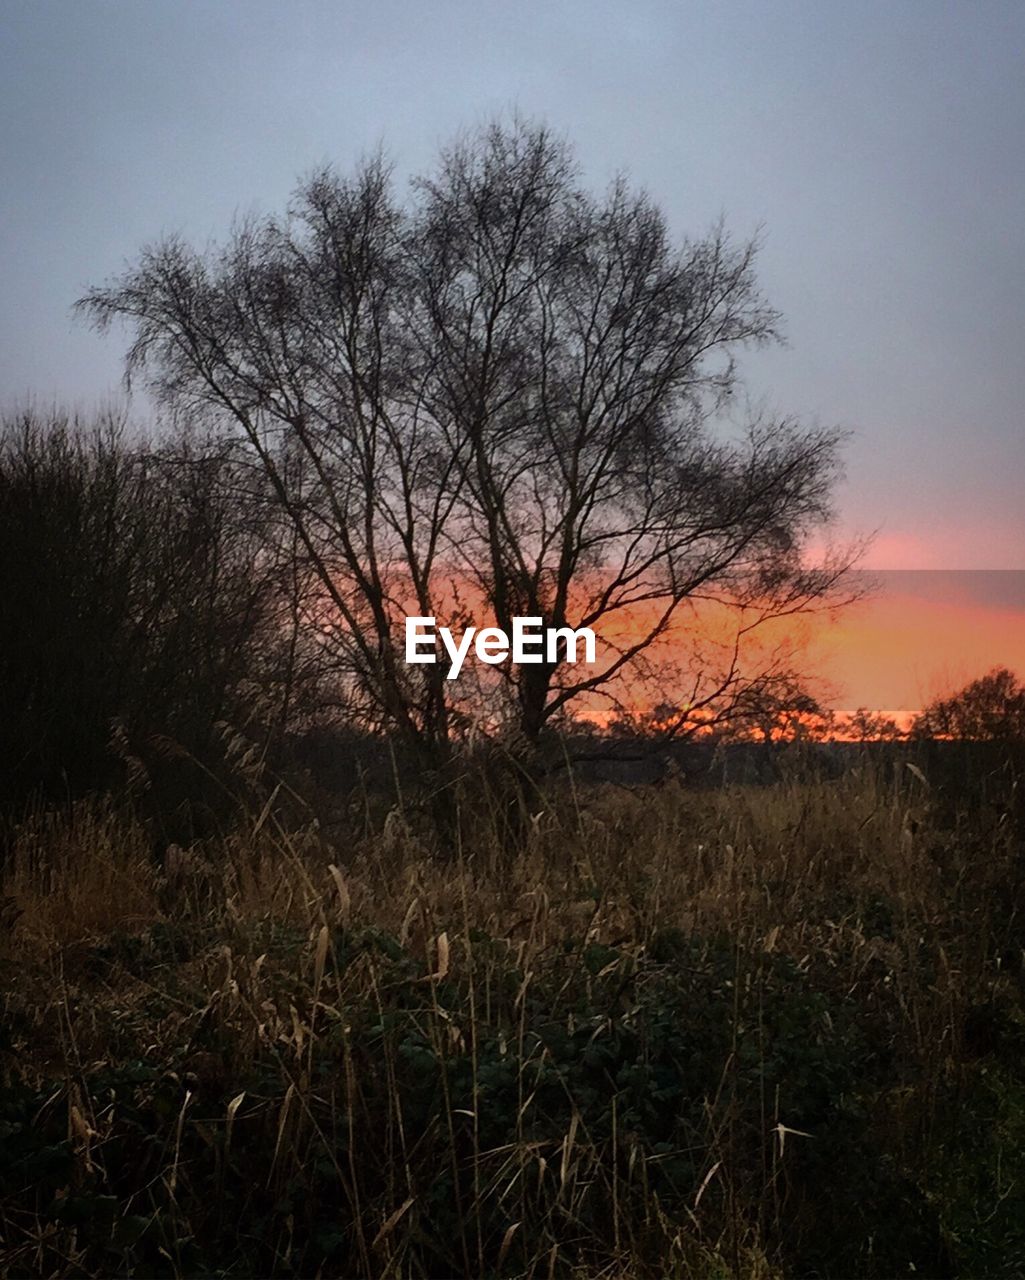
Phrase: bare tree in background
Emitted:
{"points": [[494, 399], [990, 709]]}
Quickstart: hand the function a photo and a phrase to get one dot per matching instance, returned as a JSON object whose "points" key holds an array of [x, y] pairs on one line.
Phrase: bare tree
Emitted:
{"points": [[864, 725], [497, 399], [990, 709]]}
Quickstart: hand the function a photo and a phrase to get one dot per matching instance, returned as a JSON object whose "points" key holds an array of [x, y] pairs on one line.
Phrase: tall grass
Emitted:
{"points": [[749, 1032]]}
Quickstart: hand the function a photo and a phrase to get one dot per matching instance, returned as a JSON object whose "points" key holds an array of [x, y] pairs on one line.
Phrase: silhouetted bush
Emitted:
{"points": [[138, 609]]}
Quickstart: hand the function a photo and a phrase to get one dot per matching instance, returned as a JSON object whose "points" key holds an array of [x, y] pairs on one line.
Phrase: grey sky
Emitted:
{"points": [[881, 146]]}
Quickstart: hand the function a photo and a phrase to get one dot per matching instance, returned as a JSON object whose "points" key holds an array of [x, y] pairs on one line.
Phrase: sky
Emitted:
{"points": [[876, 147]]}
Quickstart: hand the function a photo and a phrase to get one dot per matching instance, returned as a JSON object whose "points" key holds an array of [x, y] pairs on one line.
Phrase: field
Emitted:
{"points": [[737, 1031]]}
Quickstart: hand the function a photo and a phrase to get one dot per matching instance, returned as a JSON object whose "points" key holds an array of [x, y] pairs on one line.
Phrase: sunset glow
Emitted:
{"points": [[916, 635], [922, 635]]}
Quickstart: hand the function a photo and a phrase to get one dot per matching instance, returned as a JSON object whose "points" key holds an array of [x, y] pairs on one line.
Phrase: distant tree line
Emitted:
{"points": [[990, 709]]}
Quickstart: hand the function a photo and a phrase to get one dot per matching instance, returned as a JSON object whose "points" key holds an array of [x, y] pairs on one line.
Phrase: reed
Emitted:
{"points": [[750, 1032]]}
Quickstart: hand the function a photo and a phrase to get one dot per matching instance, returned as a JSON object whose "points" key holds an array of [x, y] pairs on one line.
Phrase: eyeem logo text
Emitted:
{"points": [[531, 642]]}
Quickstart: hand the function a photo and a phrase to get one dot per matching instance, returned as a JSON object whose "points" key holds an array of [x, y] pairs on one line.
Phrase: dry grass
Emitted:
{"points": [[79, 875], [743, 860], [372, 1058]]}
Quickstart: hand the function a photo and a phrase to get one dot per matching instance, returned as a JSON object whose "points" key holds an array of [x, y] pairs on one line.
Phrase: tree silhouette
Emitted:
{"points": [[990, 709], [138, 600], [495, 399], [864, 725]]}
